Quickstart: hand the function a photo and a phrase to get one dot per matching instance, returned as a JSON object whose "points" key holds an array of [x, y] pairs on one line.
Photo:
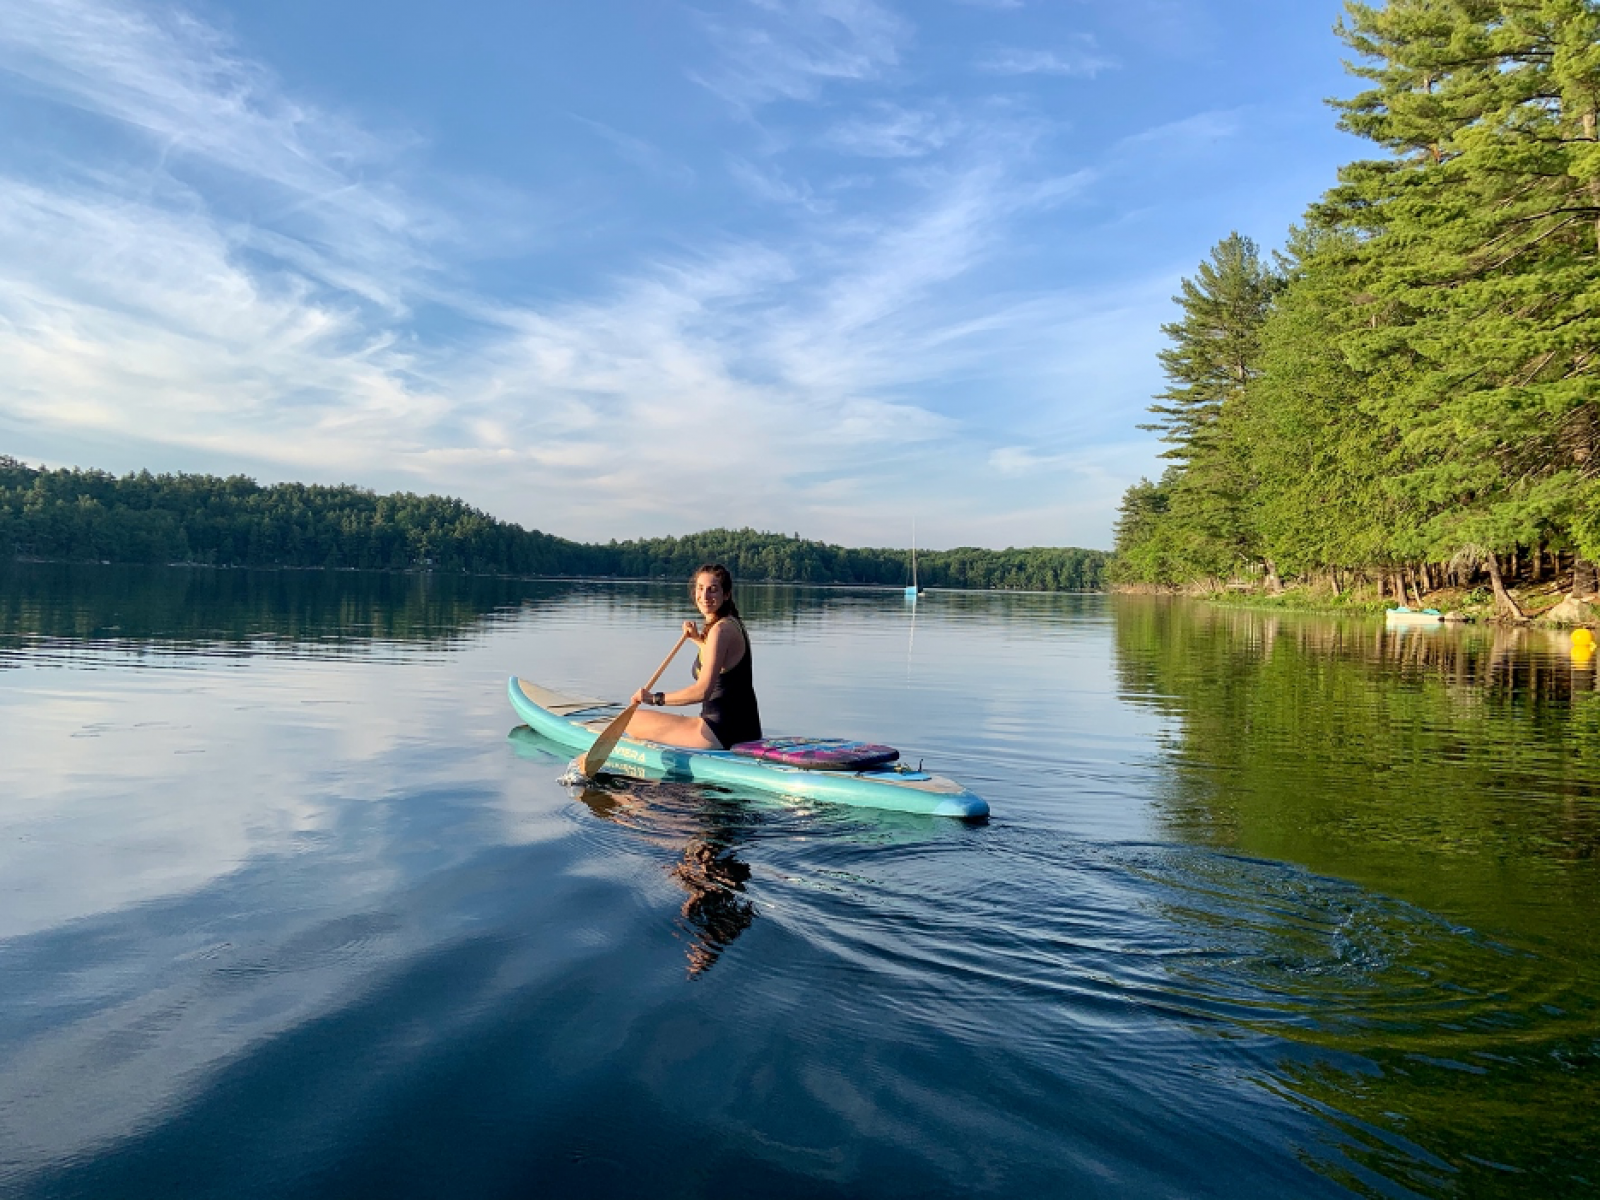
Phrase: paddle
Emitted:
{"points": [[596, 756]]}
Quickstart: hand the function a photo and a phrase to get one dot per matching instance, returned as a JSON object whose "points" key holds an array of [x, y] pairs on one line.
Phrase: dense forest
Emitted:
{"points": [[78, 515], [1408, 395]]}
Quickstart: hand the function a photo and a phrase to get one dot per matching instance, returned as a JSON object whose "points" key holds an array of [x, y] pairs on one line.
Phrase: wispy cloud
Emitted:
{"points": [[180, 85], [1024, 460], [1082, 59], [289, 320], [890, 131], [791, 49], [1196, 130], [642, 154], [768, 184]]}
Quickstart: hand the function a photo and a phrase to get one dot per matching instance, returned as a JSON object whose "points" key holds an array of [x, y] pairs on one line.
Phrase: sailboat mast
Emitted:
{"points": [[911, 592]]}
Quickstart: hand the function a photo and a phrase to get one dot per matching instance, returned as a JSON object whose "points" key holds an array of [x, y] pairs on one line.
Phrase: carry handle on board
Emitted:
{"points": [[597, 754]]}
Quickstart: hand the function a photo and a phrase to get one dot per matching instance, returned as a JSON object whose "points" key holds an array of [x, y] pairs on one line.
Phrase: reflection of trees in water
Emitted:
{"points": [[1455, 769], [251, 610], [1452, 740], [1158, 638], [715, 908]]}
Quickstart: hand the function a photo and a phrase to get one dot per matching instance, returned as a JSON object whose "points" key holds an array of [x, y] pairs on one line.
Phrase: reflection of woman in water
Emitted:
{"points": [[723, 682], [716, 908]]}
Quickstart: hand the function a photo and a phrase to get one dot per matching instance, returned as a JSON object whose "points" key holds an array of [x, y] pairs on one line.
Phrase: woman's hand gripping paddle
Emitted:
{"points": [[597, 754]]}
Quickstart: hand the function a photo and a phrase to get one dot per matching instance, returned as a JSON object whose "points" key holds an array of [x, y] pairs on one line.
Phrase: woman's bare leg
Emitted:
{"points": [[672, 730]]}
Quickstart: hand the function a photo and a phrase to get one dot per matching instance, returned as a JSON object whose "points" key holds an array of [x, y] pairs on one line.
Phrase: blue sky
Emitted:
{"points": [[619, 269]]}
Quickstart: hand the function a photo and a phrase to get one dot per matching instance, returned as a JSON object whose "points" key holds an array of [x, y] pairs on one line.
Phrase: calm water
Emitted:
{"points": [[1268, 907]]}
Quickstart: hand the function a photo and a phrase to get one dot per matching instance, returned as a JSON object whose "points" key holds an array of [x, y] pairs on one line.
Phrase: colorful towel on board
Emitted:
{"points": [[819, 754]]}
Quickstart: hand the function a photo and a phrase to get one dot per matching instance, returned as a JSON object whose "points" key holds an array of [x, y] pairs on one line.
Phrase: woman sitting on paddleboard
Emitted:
{"points": [[723, 684]]}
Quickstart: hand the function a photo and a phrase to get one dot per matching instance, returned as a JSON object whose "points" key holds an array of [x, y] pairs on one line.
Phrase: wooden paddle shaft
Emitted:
{"points": [[597, 754], [667, 661]]}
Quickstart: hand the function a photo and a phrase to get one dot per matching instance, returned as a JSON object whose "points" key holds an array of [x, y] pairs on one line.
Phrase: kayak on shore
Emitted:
{"points": [[573, 722]]}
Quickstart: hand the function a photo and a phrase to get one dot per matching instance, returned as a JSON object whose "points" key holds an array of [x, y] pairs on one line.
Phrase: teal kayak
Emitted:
{"points": [[574, 722]]}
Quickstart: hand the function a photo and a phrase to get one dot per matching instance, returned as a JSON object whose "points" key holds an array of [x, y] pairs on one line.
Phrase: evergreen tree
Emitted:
{"points": [[1323, 462], [1144, 536], [236, 522], [1481, 255], [1206, 529], [1216, 344]]}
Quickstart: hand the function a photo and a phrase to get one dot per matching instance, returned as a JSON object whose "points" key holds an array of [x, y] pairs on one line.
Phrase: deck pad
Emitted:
{"points": [[818, 754]]}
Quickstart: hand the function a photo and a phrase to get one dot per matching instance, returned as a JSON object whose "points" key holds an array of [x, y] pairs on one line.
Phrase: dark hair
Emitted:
{"points": [[728, 608]]}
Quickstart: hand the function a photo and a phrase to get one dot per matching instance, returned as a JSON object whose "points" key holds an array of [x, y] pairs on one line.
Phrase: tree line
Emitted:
{"points": [[1408, 392], [86, 515]]}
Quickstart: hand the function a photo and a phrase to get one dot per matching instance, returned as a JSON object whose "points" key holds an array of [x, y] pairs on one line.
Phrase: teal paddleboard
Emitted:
{"points": [[574, 722]]}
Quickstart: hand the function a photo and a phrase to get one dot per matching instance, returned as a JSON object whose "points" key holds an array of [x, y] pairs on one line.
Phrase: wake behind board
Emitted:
{"points": [[574, 722]]}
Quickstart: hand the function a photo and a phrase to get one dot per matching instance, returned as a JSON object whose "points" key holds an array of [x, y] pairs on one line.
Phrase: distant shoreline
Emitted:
{"points": [[205, 520], [515, 578]]}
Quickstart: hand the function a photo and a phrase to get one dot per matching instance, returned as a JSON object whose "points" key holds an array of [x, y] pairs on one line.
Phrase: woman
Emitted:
{"points": [[723, 685]]}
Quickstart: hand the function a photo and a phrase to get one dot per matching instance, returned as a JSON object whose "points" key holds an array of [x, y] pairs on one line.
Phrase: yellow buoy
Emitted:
{"points": [[1582, 647]]}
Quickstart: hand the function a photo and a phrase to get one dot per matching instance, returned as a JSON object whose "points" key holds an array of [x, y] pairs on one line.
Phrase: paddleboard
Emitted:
{"points": [[573, 722]]}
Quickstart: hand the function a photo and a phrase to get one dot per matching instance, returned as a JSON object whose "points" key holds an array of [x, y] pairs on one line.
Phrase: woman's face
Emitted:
{"points": [[708, 594]]}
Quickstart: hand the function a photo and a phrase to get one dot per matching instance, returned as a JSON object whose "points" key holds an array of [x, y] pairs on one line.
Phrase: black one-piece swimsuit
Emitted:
{"points": [[729, 709]]}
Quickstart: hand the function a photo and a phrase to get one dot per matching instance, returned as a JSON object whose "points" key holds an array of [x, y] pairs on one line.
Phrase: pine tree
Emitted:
{"points": [[1214, 356], [1142, 553], [1216, 344], [1322, 461], [1481, 259]]}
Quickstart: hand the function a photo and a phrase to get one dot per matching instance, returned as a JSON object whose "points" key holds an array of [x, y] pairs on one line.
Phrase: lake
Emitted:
{"points": [[1269, 905]]}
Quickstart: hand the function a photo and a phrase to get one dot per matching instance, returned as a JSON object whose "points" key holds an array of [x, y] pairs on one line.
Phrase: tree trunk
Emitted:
{"points": [[1584, 581], [1505, 605], [1274, 584], [1592, 133], [1416, 587], [1538, 563]]}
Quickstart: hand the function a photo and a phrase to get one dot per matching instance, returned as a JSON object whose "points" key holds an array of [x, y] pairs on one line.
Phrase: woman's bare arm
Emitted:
{"points": [[723, 645]]}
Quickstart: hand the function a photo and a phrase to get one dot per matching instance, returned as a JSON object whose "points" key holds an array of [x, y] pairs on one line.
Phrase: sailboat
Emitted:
{"points": [[913, 590]]}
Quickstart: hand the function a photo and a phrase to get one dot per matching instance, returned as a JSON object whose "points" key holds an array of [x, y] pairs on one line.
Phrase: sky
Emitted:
{"points": [[629, 268]]}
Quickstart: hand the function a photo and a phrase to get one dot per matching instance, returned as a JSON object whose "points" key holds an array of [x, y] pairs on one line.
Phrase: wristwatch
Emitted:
{"points": [[659, 699]]}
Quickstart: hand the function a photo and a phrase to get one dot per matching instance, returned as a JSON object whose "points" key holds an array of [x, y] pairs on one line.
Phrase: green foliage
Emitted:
{"points": [[753, 556], [1204, 527], [1321, 460], [1142, 533], [204, 519], [1215, 344], [1425, 385], [76, 515], [1481, 256]]}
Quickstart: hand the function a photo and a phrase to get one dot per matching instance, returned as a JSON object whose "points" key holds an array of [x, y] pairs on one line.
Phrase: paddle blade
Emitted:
{"points": [[612, 733], [596, 756]]}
